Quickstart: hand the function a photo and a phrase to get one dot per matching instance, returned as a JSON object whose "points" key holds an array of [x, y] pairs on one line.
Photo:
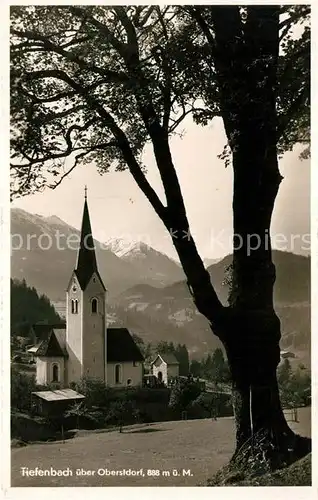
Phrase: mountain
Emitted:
{"points": [[209, 261], [147, 290], [44, 251], [147, 260], [292, 279], [145, 304]]}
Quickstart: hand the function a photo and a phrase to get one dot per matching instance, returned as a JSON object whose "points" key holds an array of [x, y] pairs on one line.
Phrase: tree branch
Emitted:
{"points": [[174, 214], [168, 79], [285, 118], [196, 14], [132, 43], [63, 154], [102, 28], [52, 47]]}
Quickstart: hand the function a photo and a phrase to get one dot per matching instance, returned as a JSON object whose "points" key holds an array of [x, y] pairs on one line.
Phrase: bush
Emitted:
{"points": [[95, 391], [122, 413], [53, 386], [295, 387], [148, 395], [209, 404], [183, 392], [22, 387], [28, 428]]}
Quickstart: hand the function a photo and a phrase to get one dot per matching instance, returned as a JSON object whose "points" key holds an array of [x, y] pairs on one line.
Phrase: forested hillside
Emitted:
{"points": [[27, 308]]}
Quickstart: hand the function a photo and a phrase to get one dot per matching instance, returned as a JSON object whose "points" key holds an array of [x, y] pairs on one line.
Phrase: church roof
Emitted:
{"points": [[86, 258], [121, 347], [52, 346], [42, 330]]}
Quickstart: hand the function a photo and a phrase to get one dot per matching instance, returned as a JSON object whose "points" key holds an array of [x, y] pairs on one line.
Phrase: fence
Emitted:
{"points": [[291, 414]]}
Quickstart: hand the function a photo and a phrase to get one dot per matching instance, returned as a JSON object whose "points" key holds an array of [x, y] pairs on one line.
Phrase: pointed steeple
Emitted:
{"points": [[86, 258]]}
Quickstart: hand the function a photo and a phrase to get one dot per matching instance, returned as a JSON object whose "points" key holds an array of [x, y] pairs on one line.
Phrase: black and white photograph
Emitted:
{"points": [[160, 246]]}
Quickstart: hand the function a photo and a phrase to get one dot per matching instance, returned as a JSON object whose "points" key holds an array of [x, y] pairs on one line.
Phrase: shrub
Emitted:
{"points": [[27, 428], [295, 387], [95, 391], [121, 413], [22, 387], [209, 404], [183, 392]]}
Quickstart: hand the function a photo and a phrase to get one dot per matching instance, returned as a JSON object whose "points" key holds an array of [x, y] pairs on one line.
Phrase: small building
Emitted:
{"points": [[165, 366], [54, 403]]}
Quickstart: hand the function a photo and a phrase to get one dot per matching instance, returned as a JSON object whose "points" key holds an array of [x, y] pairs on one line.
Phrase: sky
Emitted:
{"points": [[118, 209]]}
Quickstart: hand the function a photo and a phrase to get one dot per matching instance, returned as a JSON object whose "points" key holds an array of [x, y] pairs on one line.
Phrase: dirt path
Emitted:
{"points": [[185, 453]]}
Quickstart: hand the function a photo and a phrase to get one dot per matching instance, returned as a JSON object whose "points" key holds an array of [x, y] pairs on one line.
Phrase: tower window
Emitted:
{"points": [[94, 306], [74, 306], [117, 374], [55, 373]]}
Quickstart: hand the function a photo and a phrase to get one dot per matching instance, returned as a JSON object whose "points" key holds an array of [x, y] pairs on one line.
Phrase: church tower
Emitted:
{"points": [[86, 326]]}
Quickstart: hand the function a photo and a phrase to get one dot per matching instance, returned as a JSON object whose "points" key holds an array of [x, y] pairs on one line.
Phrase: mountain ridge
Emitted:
{"points": [[48, 268], [144, 294]]}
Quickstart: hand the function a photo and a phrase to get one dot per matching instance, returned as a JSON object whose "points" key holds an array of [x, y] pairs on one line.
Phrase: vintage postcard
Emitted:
{"points": [[160, 236]]}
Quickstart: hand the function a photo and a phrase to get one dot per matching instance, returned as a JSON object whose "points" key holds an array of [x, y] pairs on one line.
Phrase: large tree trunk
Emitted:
{"points": [[246, 64], [245, 58]]}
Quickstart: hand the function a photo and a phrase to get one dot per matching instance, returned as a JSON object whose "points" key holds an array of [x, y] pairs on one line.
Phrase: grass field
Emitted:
{"points": [[199, 446]]}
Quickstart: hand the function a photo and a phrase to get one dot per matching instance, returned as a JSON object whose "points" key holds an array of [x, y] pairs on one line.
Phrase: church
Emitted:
{"points": [[85, 347]]}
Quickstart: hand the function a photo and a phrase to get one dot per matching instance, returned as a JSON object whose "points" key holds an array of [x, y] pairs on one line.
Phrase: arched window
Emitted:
{"points": [[129, 381], [94, 306], [74, 306], [117, 374], [55, 373]]}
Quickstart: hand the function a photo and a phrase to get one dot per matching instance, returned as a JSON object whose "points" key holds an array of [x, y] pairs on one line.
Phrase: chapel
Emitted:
{"points": [[85, 347]]}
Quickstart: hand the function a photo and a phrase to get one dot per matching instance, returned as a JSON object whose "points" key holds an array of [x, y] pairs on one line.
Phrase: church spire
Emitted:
{"points": [[86, 259]]}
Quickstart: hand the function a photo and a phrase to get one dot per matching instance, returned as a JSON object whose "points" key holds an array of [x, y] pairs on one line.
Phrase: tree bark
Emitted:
{"points": [[246, 65], [245, 57]]}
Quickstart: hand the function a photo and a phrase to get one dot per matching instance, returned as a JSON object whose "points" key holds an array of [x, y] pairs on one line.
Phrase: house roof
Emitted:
{"points": [[33, 349], [52, 346], [59, 395], [121, 346], [168, 357]]}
